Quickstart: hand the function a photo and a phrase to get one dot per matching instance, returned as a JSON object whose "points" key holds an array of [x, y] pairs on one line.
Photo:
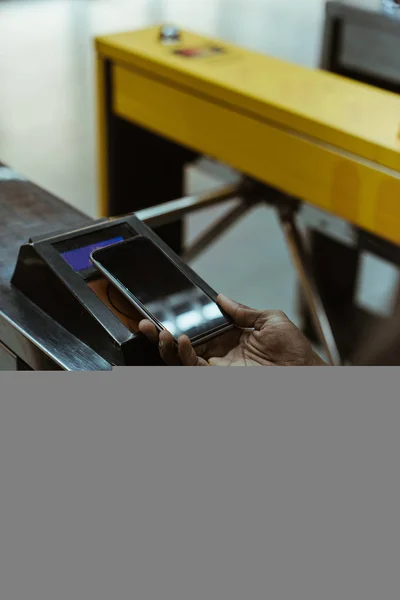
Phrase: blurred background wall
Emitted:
{"points": [[48, 123]]}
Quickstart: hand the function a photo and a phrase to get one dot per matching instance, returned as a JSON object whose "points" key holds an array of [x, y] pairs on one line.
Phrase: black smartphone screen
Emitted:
{"points": [[179, 305]]}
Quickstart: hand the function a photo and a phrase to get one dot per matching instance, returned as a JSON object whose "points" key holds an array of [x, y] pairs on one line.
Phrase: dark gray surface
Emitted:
{"points": [[8, 360]]}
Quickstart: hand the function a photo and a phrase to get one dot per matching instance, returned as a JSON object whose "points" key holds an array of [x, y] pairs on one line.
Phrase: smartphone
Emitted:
{"points": [[160, 290]]}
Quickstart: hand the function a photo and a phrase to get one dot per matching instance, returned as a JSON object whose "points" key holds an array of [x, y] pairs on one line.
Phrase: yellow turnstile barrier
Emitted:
{"points": [[327, 140]]}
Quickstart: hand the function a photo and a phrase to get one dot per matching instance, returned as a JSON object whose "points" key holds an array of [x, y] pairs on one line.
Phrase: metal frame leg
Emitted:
{"points": [[301, 260], [336, 269]]}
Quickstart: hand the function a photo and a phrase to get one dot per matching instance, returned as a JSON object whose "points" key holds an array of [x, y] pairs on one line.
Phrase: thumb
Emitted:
{"points": [[242, 315]]}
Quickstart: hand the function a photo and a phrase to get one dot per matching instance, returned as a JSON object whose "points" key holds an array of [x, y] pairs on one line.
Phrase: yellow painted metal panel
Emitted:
{"points": [[355, 117], [360, 191]]}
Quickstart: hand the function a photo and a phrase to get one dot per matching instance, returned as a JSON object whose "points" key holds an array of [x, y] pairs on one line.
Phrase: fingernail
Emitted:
{"points": [[161, 344]]}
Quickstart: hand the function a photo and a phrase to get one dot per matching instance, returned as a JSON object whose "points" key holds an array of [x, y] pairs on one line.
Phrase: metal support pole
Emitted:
{"points": [[301, 261]]}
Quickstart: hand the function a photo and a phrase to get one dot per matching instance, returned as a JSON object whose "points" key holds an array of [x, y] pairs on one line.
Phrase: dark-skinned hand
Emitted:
{"points": [[259, 338]]}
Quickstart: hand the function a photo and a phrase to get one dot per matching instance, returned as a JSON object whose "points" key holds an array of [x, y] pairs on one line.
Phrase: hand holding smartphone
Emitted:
{"points": [[160, 290]]}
